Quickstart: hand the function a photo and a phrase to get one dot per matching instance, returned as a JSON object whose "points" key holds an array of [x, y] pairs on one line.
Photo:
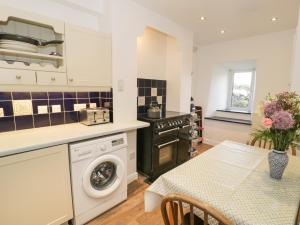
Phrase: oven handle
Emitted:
{"points": [[168, 143], [185, 126], [167, 131]]}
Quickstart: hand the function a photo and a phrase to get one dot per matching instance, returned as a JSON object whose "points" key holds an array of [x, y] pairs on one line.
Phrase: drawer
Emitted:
{"points": [[51, 78], [19, 77]]}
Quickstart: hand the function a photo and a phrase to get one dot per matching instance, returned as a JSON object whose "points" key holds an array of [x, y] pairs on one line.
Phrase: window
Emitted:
{"points": [[241, 90]]}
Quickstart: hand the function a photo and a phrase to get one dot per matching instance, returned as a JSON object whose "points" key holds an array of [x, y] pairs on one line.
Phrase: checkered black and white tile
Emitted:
{"points": [[151, 91]]}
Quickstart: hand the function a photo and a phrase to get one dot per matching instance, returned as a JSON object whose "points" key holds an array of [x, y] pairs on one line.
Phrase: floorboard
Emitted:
{"points": [[131, 212]]}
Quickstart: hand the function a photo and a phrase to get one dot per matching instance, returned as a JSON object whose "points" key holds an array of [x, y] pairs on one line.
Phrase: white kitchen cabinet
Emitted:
{"points": [[17, 77], [51, 78], [35, 187], [88, 57]]}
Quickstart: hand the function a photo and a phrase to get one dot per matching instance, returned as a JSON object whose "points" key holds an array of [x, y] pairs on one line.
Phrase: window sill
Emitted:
{"points": [[230, 120], [233, 111]]}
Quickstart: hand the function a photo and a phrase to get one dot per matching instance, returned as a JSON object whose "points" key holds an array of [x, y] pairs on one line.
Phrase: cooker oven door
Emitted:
{"points": [[184, 144], [164, 156]]}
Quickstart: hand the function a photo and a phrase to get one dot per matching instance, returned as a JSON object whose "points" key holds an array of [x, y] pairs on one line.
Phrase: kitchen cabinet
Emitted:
{"points": [[51, 78], [88, 57], [35, 187], [17, 77], [25, 54]]}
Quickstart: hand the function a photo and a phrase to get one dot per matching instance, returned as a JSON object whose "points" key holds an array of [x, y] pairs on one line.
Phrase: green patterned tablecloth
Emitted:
{"points": [[234, 178]]}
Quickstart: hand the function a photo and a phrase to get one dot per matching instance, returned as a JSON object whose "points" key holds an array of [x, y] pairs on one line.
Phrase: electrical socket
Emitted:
{"points": [[78, 107], [131, 155], [1, 112], [56, 108], [42, 109], [22, 107]]}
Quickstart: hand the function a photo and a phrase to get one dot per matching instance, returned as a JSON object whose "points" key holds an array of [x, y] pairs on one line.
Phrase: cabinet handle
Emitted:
{"points": [[53, 79], [18, 77], [71, 79]]}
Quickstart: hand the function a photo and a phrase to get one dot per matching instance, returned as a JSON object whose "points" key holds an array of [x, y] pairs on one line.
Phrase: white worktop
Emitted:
{"points": [[26, 140]]}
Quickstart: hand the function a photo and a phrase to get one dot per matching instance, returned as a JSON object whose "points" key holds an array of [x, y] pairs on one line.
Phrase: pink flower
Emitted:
{"points": [[283, 120], [267, 122], [271, 107]]}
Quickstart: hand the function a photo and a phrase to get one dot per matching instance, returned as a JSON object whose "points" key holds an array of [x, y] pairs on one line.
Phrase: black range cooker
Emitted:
{"points": [[164, 145]]}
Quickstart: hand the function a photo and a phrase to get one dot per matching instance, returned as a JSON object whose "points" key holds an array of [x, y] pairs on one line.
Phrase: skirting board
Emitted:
{"points": [[132, 177]]}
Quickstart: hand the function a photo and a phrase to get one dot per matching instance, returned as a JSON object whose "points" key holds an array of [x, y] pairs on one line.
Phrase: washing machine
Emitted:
{"points": [[98, 176]]}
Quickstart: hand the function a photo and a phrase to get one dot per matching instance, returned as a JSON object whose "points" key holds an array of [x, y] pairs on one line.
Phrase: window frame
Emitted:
{"points": [[230, 90]]}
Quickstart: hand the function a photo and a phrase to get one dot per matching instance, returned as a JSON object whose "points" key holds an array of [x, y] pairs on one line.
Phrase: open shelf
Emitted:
{"points": [[29, 54]]}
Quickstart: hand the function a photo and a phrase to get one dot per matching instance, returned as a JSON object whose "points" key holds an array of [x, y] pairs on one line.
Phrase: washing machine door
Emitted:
{"points": [[103, 176]]}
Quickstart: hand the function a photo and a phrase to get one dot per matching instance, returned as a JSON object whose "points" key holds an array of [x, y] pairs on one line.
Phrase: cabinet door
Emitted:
{"points": [[19, 77], [51, 78], [88, 57], [35, 187]]}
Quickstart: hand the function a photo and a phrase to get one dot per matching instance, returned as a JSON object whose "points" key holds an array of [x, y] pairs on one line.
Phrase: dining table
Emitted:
{"points": [[234, 178]]}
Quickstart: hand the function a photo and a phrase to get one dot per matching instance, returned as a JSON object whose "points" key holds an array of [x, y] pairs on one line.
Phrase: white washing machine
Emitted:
{"points": [[99, 176]]}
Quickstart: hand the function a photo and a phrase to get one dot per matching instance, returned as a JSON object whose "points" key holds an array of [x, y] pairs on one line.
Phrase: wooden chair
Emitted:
{"points": [[173, 203], [267, 144]]}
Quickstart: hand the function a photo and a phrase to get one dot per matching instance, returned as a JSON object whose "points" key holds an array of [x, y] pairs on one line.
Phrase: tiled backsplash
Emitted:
{"points": [[24, 110], [149, 91]]}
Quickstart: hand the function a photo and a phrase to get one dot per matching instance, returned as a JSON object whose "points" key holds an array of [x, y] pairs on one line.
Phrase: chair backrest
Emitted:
{"points": [[173, 203], [267, 144]]}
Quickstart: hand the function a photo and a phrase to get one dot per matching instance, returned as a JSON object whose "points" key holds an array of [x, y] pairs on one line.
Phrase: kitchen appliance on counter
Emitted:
{"points": [[164, 145], [93, 116], [154, 111]]}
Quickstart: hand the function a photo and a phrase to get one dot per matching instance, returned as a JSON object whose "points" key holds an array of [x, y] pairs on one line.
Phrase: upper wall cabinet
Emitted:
{"points": [[88, 57], [31, 42]]}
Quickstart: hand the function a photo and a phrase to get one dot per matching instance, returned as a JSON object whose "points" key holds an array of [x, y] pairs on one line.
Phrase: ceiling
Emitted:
{"points": [[238, 18]]}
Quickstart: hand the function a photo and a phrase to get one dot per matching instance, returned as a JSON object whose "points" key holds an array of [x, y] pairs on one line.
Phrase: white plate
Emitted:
{"points": [[19, 46]]}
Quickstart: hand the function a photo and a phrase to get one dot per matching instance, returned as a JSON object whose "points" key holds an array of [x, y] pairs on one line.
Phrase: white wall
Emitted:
{"points": [[173, 75], [295, 84], [128, 22], [152, 55], [159, 57], [272, 53], [217, 93]]}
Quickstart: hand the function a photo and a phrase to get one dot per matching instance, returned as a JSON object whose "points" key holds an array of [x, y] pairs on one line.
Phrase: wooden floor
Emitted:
{"points": [[131, 212]]}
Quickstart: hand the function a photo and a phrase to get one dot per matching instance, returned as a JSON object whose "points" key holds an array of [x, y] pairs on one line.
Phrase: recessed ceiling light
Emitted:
{"points": [[201, 19], [222, 31], [274, 19]]}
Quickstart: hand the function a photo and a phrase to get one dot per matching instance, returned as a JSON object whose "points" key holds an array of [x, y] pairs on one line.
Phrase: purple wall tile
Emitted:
{"points": [[5, 96], [24, 122], [39, 95], [21, 95], [69, 95], [41, 120], [55, 95], [65, 99], [7, 108], [7, 124]]}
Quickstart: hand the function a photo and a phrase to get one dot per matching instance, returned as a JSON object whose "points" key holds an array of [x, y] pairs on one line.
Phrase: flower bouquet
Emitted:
{"points": [[281, 125]]}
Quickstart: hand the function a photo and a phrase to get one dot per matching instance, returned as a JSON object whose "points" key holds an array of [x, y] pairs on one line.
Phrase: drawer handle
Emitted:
{"points": [[71, 79], [53, 79], [18, 77]]}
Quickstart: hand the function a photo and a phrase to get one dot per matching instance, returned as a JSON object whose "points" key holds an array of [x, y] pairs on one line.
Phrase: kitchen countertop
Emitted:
{"points": [[27, 140]]}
